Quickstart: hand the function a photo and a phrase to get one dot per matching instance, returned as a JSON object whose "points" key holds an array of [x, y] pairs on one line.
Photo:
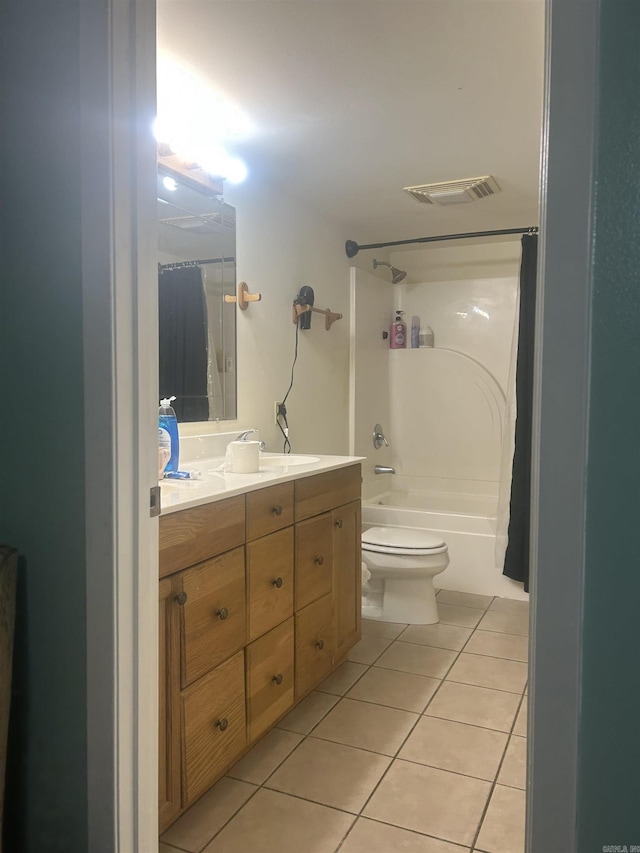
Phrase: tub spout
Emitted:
{"points": [[384, 469]]}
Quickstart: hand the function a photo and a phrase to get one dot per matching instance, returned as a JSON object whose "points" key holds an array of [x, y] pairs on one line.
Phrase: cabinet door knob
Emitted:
{"points": [[339, 523], [180, 597], [277, 678], [276, 510], [222, 724], [277, 582], [319, 560], [320, 644], [222, 613]]}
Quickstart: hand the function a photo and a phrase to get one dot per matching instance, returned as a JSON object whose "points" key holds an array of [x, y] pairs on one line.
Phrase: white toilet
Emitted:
{"points": [[403, 562]]}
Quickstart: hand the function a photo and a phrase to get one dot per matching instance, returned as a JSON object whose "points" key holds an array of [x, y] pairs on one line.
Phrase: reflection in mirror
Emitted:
{"points": [[197, 329]]}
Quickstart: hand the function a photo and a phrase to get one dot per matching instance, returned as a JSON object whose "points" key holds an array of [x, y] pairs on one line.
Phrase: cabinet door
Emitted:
{"points": [[269, 679], [213, 615], [168, 708], [213, 726], [269, 581], [314, 559], [347, 578], [314, 645]]}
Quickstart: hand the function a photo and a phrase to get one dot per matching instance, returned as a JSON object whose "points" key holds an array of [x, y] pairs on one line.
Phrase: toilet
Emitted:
{"points": [[402, 562]]}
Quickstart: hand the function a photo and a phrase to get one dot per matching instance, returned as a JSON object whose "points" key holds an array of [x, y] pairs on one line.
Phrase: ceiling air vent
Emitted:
{"points": [[455, 192], [203, 224]]}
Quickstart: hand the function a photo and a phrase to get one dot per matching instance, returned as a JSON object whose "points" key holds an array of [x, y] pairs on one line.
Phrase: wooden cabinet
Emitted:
{"points": [[259, 601]]}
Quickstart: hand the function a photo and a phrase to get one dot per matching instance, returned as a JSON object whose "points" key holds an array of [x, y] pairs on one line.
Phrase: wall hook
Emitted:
{"points": [[330, 316], [244, 297]]}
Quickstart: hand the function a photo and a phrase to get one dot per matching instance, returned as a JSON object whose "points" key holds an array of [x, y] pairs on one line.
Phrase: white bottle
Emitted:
{"points": [[426, 338]]}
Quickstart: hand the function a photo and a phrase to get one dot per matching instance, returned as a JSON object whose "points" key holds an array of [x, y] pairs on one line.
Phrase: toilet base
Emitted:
{"points": [[408, 601]]}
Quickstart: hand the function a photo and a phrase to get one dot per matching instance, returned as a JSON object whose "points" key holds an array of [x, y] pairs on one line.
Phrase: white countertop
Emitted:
{"points": [[215, 485]]}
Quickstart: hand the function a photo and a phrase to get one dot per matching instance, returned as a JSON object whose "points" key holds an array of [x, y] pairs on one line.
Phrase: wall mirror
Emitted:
{"points": [[197, 328]]}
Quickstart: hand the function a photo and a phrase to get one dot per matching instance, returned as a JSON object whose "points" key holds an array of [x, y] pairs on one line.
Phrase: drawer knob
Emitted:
{"points": [[276, 510], [339, 523], [222, 724], [181, 597], [222, 613], [319, 560], [320, 644], [277, 582], [277, 678]]}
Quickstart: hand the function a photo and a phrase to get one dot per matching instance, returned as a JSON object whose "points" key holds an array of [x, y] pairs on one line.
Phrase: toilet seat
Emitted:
{"points": [[407, 541]]}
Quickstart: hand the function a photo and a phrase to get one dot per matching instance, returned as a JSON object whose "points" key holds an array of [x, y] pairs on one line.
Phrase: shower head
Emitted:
{"points": [[396, 274]]}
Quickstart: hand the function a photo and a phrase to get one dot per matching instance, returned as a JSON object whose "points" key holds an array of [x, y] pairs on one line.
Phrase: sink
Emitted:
{"points": [[284, 460]]}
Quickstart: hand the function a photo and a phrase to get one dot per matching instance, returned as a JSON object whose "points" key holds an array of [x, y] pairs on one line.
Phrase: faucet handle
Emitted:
{"points": [[379, 437]]}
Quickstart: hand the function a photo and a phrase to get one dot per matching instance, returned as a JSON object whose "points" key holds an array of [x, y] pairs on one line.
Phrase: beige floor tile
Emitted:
{"points": [[423, 799], [479, 706], [442, 636], [366, 726], [520, 727], [276, 823], [262, 759], [164, 848], [370, 836], [343, 678], [497, 645], [514, 767], [421, 660], [308, 713], [368, 649], [376, 628], [510, 605], [200, 823], [330, 773], [505, 623], [464, 599], [503, 826], [456, 747], [402, 690], [464, 617], [497, 673]]}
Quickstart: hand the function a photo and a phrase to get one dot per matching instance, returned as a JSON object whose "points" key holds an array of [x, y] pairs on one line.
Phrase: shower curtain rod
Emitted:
{"points": [[352, 248], [181, 264]]}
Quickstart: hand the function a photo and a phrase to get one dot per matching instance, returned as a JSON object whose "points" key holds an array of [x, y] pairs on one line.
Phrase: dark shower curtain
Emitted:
{"points": [[183, 333], [516, 563]]}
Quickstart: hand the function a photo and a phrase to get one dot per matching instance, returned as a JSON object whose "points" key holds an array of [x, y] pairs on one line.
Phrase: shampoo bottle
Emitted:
{"points": [[398, 332], [415, 332], [426, 337], [168, 432]]}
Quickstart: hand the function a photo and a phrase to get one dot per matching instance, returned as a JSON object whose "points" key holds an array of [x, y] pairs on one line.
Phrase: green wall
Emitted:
{"points": [[609, 732], [41, 429]]}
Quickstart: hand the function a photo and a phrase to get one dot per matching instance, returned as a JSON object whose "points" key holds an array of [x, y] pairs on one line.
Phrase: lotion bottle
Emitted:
{"points": [[398, 332], [168, 433]]}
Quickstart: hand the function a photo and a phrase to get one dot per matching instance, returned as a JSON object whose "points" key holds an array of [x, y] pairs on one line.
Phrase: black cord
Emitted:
{"points": [[283, 410]]}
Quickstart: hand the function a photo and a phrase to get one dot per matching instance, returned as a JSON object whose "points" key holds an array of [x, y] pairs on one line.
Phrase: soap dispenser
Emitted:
{"points": [[398, 332], [168, 433]]}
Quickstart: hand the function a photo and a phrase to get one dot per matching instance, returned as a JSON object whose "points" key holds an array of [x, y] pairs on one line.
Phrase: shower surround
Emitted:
{"points": [[443, 409]]}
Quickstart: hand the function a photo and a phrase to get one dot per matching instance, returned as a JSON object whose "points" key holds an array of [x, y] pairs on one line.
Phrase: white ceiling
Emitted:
{"points": [[354, 99]]}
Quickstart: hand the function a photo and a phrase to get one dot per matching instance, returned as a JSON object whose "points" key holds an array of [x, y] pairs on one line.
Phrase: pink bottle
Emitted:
{"points": [[398, 332]]}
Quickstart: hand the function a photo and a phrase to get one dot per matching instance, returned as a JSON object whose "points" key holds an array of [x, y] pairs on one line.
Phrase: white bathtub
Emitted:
{"points": [[464, 513]]}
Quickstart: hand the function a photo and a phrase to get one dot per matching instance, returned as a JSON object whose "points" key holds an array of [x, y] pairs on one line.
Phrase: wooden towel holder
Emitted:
{"points": [[330, 317], [244, 297]]}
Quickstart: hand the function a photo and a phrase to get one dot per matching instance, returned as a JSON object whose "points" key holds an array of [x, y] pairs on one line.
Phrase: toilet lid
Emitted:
{"points": [[406, 540]]}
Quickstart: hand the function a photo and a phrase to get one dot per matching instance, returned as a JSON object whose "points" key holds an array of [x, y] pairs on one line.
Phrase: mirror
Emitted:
{"points": [[197, 328]]}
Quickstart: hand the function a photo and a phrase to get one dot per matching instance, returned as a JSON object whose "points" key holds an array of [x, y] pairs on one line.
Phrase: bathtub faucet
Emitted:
{"points": [[384, 469]]}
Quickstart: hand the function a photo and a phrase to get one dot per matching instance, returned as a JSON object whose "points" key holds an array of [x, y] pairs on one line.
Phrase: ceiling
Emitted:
{"points": [[352, 100]]}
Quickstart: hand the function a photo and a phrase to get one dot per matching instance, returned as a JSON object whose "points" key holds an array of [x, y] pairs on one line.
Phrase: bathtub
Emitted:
{"points": [[464, 513]]}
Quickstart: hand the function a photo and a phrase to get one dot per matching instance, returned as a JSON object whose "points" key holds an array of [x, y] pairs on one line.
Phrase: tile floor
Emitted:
{"points": [[417, 744]]}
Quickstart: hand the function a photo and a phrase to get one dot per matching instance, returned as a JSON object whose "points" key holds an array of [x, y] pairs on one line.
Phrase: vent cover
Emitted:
{"points": [[205, 223], [455, 192]]}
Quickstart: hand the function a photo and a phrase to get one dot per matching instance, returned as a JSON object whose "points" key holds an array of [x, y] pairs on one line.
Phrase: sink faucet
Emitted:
{"points": [[384, 469], [244, 436]]}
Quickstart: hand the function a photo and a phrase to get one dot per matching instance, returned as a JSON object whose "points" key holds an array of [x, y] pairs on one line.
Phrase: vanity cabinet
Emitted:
{"points": [[259, 602]]}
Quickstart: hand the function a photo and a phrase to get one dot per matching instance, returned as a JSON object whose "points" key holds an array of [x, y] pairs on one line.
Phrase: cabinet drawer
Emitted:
{"points": [[269, 509], [269, 678], [314, 646], [213, 616], [193, 535], [326, 491], [314, 559], [213, 726], [269, 581]]}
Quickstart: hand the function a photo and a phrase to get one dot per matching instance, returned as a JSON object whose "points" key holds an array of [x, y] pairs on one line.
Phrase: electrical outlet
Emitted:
{"points": [[276, 410]]}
